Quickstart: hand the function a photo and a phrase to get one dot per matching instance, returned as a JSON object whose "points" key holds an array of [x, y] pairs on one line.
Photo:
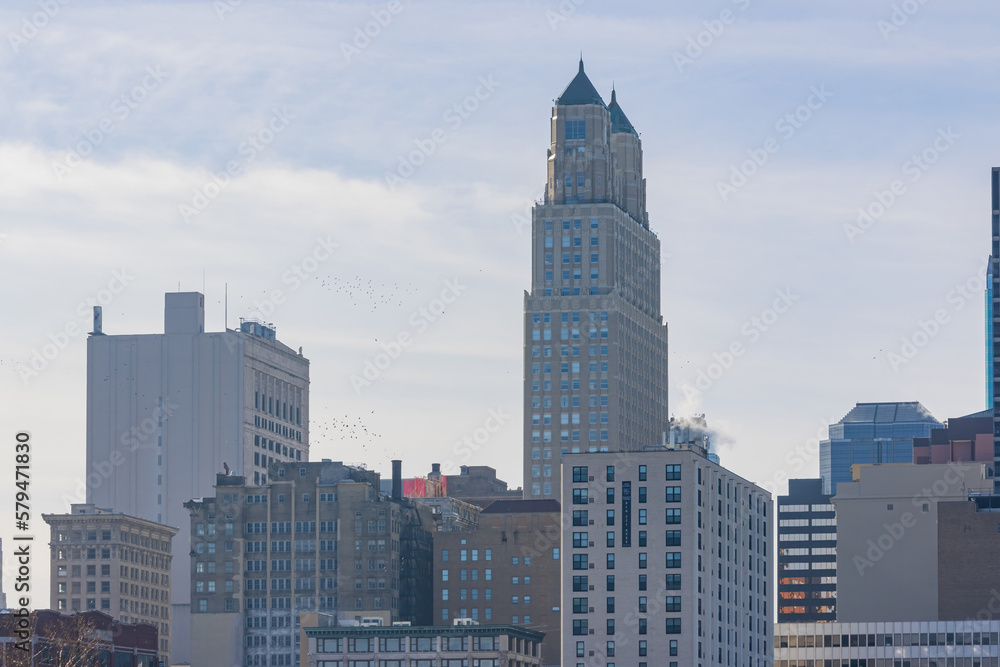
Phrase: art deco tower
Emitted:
{"points": [[595, 351]]}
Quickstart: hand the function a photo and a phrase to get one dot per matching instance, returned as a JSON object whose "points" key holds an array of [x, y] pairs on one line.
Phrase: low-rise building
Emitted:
{"points": [[90, 638], [453, 646], [971, 643], [114, 563]]}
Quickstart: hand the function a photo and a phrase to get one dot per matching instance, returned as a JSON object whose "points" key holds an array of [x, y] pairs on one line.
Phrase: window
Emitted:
{"points": [[580, 562], [580, 583], [673, 472], [673, 515], [673, 494], [579, 474], [580, 627], [611, 561], [674, 603], [673, 538], [575, 130], [672, 582], [580, 496], [580, 540], [610, 583], [673, 627], [611, 473], [673, 647], [580, 605], [642, 517], [580, 517], [642, 494], [642, 561], [642, 582], [673, 559], [610, 518]]}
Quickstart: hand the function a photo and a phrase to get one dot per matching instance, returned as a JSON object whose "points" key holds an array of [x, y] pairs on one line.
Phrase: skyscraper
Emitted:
{"points": [[994, 312], [872, 433], [595, 353], [166, 412]]}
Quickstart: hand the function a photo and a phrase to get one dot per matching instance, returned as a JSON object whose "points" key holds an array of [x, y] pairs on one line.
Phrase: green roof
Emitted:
{"points": [[580, 91], [619, 121], [427, 631]]}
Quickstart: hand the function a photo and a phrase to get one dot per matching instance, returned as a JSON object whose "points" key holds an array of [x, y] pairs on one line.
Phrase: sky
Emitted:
{"points": [[817, 173]]}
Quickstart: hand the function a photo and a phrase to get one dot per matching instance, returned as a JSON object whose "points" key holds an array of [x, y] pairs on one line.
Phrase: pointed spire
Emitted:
{"points": [[580, 90], [619, 121]]}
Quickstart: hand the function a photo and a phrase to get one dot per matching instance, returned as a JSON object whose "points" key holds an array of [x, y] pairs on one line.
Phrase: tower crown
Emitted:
{"points": [[580, 91], [619, 121]]}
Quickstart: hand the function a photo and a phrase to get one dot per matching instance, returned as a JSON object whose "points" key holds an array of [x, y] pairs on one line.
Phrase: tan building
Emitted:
{"points": [[595, 343], [318, 538], [888, 553], [506, 572], [666, 561], [113, 563], [455, 646]]}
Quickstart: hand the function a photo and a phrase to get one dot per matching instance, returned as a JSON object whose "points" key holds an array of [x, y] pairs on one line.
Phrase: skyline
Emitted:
{"points": [[454, 228]]}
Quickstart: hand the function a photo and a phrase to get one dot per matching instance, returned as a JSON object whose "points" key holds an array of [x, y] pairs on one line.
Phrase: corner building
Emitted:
{"points": [[665, 561], [595, 352]]}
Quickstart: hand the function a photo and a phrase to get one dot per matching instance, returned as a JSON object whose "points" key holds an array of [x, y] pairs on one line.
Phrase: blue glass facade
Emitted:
{"points": [[872, 433]]}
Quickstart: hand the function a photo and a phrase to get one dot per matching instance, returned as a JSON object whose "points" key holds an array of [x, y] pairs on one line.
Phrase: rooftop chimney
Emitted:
{"points": [[98, 321], [397, 479]]}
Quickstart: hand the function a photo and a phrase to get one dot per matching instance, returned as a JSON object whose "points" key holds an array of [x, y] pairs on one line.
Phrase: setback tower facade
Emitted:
{"points": [[595, 352]]}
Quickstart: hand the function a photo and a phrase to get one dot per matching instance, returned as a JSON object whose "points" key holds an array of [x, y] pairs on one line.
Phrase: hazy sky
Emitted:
{"points": [[765, 128]]}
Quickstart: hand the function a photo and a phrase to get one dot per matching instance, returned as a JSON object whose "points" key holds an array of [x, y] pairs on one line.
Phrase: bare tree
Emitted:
{"points": [[59, 642]]}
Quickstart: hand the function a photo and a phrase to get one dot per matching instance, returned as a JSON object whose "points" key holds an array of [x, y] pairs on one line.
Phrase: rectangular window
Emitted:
{"points": [[673, 559], [673, 626], [673, 494], [673, 472], [575, 130], [673, 515]]}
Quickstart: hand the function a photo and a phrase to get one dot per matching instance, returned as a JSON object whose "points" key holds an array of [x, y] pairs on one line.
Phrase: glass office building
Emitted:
{"points": [[872, 433]]}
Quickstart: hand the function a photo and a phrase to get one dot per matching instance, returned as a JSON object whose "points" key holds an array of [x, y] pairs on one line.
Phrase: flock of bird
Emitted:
{"points": [[367, 292]]}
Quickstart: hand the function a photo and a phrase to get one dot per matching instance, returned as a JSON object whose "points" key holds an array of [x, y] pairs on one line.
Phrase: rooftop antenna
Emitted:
{"points": [[203, 281], [226, 325]]}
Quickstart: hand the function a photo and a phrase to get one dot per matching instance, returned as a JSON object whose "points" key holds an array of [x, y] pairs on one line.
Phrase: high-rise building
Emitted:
{"points": [[595, 351], [807, 554], [113, 563], [165, 412], [318, 538], [665, 561], [994, 312], [3, 596], [990, 373], [507, 571], [872, 433]]}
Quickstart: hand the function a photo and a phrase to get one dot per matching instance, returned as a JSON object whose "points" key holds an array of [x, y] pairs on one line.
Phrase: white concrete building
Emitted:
{"points": [[665, 561], [166, 412]]}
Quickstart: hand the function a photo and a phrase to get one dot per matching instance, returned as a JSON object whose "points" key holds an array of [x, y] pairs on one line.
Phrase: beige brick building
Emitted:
{"points": [[113, 563]]}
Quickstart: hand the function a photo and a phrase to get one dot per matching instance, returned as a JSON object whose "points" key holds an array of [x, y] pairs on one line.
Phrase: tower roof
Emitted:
{"points": [[619, 121], [580, 91]]}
